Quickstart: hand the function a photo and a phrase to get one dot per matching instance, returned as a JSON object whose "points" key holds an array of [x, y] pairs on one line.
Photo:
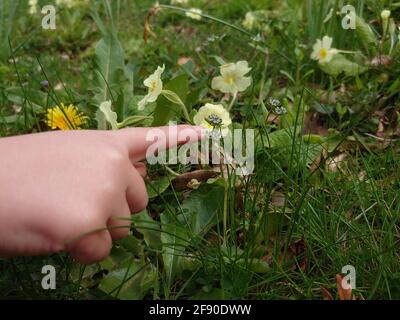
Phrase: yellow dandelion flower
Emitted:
{"points": [[65, 117]]}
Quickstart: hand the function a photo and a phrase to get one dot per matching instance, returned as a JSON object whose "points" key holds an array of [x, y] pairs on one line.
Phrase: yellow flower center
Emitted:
{"points": [[323, 53], [230, 79], [153, 86]]}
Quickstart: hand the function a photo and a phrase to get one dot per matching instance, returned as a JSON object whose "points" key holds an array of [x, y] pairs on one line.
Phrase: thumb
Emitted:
{"points": [[138, 140]]}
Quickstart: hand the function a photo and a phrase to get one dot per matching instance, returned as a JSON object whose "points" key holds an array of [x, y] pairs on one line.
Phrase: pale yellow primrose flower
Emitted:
{"points": [[212, 116], [249, 21], [155, 85], [232, 79], [194, 13], [109, 115], [33, 6], [385, 14], [322, 50]]}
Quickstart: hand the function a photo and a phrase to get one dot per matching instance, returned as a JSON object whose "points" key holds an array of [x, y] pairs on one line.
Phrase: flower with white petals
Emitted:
{"points": [[194, 13], [33, 6], [109, 115], [155, 85], [323, 51], [213, 117], [232, 79], [249, 21], [385, 14]]}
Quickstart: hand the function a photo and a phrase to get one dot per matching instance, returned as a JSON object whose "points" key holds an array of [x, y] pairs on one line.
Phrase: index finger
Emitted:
{"points": [[138, 140]]}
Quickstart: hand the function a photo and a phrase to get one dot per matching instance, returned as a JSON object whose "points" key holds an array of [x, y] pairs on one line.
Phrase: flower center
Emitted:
{"points": [[323, 53], [214, 120], [153, 86], [230, 79]]}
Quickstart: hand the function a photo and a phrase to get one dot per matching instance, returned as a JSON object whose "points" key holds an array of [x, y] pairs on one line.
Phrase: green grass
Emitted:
{"points": [[287, 230]]}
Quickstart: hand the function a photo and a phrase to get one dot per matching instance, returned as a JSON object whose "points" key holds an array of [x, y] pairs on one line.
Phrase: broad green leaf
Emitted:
{"points": [[174, 238], [165, 109], [340, 64], [254, 265], [204, 208], [366, 35], [109, 58], [157, 187], [10, 119], [187, 264], [132, 280], [281, 138], [131, 244], [314, 139], [149, 228]]}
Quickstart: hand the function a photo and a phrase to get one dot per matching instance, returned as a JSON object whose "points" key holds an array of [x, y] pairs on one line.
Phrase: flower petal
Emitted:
{"points": [[242, 68], [219, 83], [327, 42], [243, 83], [142, 103]]}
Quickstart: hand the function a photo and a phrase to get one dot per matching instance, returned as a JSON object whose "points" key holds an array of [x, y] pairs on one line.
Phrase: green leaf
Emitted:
{"points": [[157, 187], [174, 238], [365, 34], [131, 244], [188, 264], [314, 139], [339, 64], [254, 265], [165, 109], [204, 208], [132, 280], [149, 228], [214, 294], [281, 138], [172, 97]]}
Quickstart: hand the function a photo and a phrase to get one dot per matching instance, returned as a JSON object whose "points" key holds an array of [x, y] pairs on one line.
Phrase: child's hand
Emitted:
{"points": [[57, 186]]}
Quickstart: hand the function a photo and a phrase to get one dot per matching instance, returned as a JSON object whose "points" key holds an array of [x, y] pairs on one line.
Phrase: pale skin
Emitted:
{"points": [[57, 186]]}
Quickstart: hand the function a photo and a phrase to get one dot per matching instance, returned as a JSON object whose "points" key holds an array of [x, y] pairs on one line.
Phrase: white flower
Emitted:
{"points": [[322, 50], [280, 110], [232, 79], [177, 2], [249, 21], [274, 102], [155, 85], [33, 6], [213, 117], [194, 13], [109, 115], [385, 14]]}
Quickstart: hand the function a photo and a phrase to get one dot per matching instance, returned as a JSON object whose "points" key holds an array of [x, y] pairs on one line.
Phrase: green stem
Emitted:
{"points": [[233, 101], [132, 121]]}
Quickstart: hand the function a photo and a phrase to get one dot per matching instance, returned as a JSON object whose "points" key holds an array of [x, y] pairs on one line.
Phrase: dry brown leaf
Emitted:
{"points": [[381, 60], [333, 165], [344, 294], [295, 255], [183, 60], [181, 182], [148, 32]]}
